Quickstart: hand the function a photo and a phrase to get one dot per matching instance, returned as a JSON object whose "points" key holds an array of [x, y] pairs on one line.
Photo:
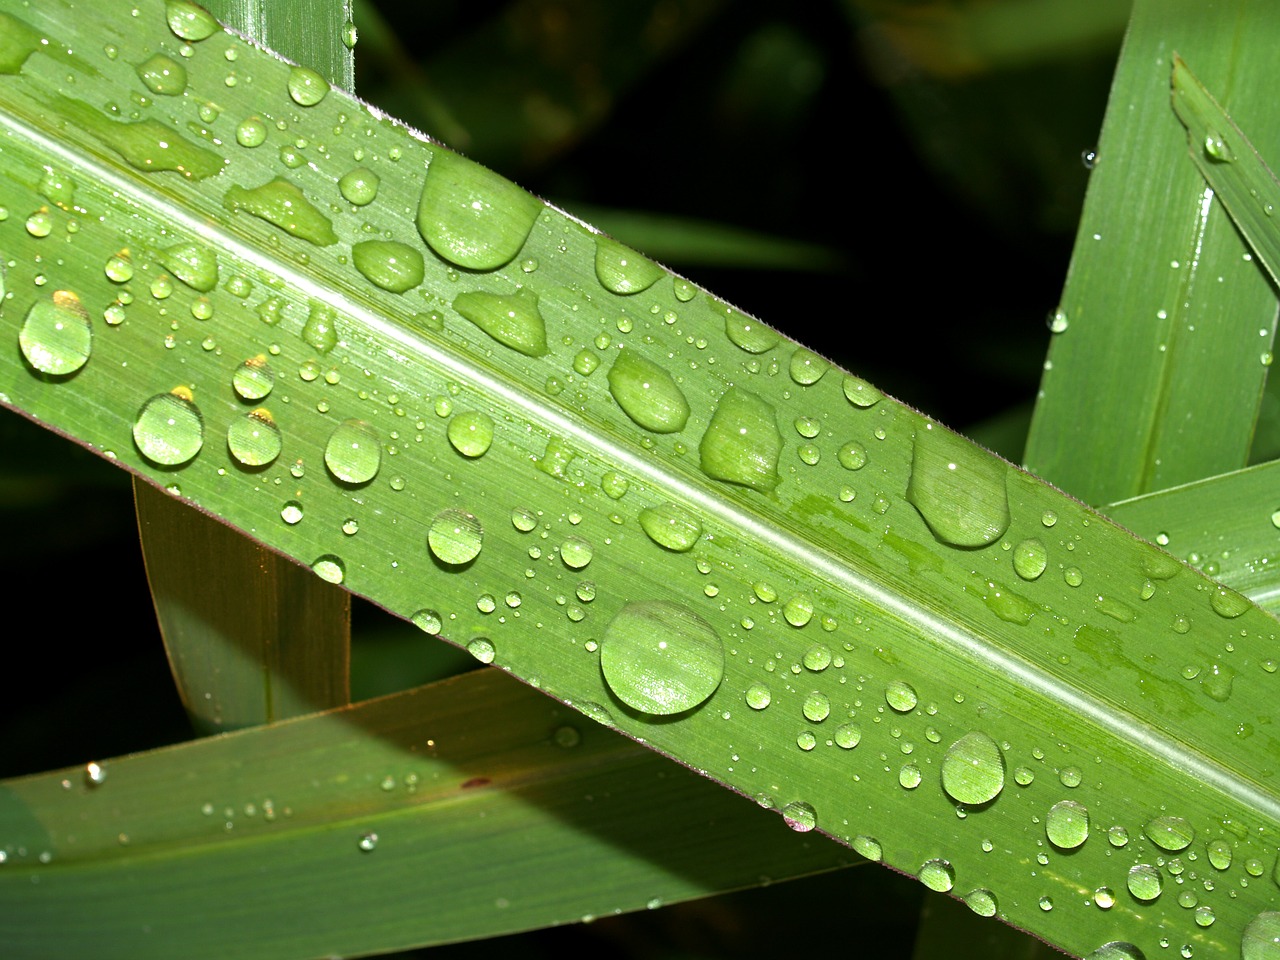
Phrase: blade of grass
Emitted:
{"points": [[867, 618], [1155, 378], [470, 808], [1228, 526]]}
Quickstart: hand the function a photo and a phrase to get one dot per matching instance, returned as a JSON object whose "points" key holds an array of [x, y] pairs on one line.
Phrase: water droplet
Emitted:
{"points": [[95, 774], [393, 266], [748, 334], [1217, 681], [330, 567], [1217, 149], [621, 270], [1117, 950], [512, 319], [455, 537], [938, 875], [306, 87], [758, 696], [254, 378], [800, 816], [1067, 824], [282, 204], [1261, 938], [169, 429], [359, 186], [193, 264], [56, 336], [1220, 854], [367, 842], [254, 439], [1227, 603], [471, 433], [672, 526], [472, 217], [353, 452], [848, 736], [523, 520], [1104, 898], [973, 769], [982, 902], [1144, 882], [798, 611], [817, 658], [1170, 833], [901, 696], [958, 488], [1058, 321], [482, 649], [816, 707], [163, 76], [428, 621], [742, 442], [291, 512], [868, 847], [576, 553], [660, 658], [807, 367], [189, 21], [1030, 557], [1072, 576], [860, 393], [251, 132], [852, 456], [647, 393]]}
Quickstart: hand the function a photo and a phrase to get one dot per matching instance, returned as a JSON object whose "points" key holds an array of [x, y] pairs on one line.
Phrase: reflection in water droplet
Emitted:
{"points": [[1170, 833], [647, 393], [512, 319], [860, 393], [671, 526], [938, 875], [353, 453], [455, 537], [981, 902], [428, 621], [56, 336], [575, 553], [1144, 882], [163, 76], [1030, 557], [800, 816], [958, 488], [189, 21], [393, 266], [901, 696], [660, 658], [621, 270], [1067, 824], [169, 429], [359, 186], [470, 216], [758, 696], [330, 568], [482, 649], [254, 439], [742, 442], [306, 87], [973, 769], [471, 433]]}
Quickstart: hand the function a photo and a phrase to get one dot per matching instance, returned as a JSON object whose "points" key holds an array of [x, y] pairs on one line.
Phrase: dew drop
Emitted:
{"points": [[671, 526], [1144, 882], [958, 488], [807, 367], [253, 379], [1067, 824], [901, 696], [368, 842], [282, 204], [189, 21], [938, 875], [306, 87], [621, 270], [817, 658], [1217, 682], [56, 336], [868, 847], [119, 267], [482, 649], [359, 186], [982, 902], [95, 774], [1117, 950], [330, 567], [353, 452], [742, 442], [860, 393], [163, 76], [798, 611], [973, 769], [393, 266], [428, 621], [647, 393], [852, 456], [748, 334], [909, 776], [472, 217], [1030, 557], [291, 512], [169, 430], [1220, 854], [800, 816], [512, 319], [576, 553], [816, 707], [1104, 898], [254, 439], [1170, 833], [20, 41], [758, 696], [660, 658], [471, 433], [1058, 321], [455, 537], [1227, 603], [1261, 938], [848, 736]]}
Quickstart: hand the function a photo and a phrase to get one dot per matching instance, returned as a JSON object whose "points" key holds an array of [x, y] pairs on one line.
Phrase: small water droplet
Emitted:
{"points": [[800, 816], [860, 393], [428, 621], [251, 132], [1030, 557], [647, 393], [1217, 149], [472, 217], [353, 452], [671, 526], [758, 696], [254, 439], [56, 336], [1058, 321], [868, 847], [660, 658], [389, 264], [816, 707], [747, 333], [848, 735], [1067, 824], [482, 649], [973, 769], [982, 902], [575, 553], [367, 842], [852, 456], [817, 658], [901, 696], [291, 512], [1217, 681], [330, 567], [254, 378], [306, 87], [163, 76], [621, 270], [189, 21], [938, 875], [455, 537], [1144, 882], [807, 367], [95, 774], [359, 186], [169, 429], [471, 433], [1169, 833]]}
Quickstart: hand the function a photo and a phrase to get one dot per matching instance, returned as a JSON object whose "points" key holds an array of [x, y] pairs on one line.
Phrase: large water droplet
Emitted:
{"points": [[169, 429], [353, 453], [163, 76], [146, 145], [742, 442], [621, 270], [254, 439], [901, 696], [455, 537], [982, 902], [1261, 938], [254, 378], [1170, 833], [800, 816], [472, 217], [938, 875], [359, 186], [428, 621], [660, 658], [482, 649], [647, 393], [868, 847], [672, 526], [576, 553], [1117, 950], [747, 333], [1144, 881], [393, 266], [56, 336], [958, 488], [189, 21], [973, 769], [471, 433], [193, 264], [1227, 603], [282, 204], [306, 87], [1067, 824], [513, 319], [860, 393], [1030, 557], [807, 367]]}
